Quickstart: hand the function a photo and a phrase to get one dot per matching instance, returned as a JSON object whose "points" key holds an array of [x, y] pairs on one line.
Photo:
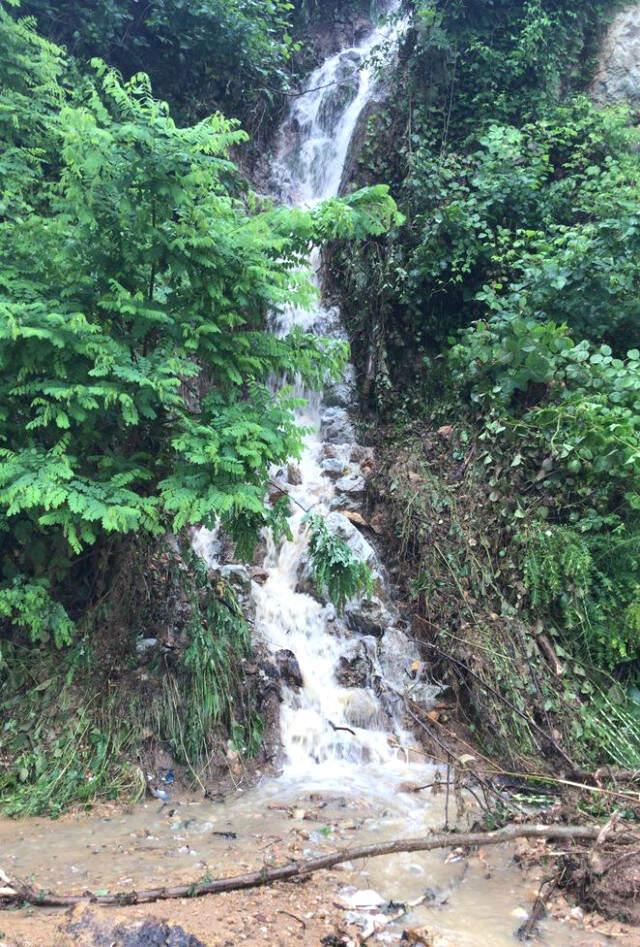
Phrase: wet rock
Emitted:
{"points": [[338, 396], [618, 75], [342, 503], [396, 653], [340, 526], [355, 668], [143, 645], [344, 91], [294, 475], [329, 450], [305, 584], [352, 485], [360, 454], [238, 577], [402, 669], [333, 467], [87, 932], [361, 709], [289, 669], [336, 427], [371, 616], [328, 323]]}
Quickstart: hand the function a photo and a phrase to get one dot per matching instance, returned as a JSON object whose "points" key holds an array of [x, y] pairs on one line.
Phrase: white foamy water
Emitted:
{"points": [[332, 735]]}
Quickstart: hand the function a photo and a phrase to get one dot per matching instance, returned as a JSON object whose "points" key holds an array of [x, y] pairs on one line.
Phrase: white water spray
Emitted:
{"points": [[330, 732]]}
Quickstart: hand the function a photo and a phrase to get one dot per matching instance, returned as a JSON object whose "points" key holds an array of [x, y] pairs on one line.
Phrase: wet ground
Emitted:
{"points": [[465, 901]]}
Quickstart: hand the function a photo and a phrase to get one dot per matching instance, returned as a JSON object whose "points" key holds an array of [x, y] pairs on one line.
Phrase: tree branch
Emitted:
{"points": [[13, 892]]}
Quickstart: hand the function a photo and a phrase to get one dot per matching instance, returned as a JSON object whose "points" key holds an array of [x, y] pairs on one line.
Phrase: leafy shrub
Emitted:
{"points": [[557, 565], [134, 354], [213, 53], [336, 571]]}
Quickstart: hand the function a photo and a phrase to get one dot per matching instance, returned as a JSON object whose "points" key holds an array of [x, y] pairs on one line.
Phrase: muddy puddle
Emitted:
{"points": [[470, 901]]}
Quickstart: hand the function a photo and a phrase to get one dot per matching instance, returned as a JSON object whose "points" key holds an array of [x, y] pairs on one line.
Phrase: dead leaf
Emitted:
{"points": [[465, 759], [355, 518], [418, 936]]}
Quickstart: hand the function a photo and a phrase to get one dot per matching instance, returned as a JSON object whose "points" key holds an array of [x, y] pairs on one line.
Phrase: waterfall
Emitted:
{"points": [[333, 730], [330, 732]]}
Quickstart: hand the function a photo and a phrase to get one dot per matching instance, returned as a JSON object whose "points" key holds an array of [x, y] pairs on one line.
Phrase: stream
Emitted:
{"points": [[347, 755]]}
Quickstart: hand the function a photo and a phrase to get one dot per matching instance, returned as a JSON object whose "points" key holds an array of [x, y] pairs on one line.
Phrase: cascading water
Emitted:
{"points": [[329, 731]]}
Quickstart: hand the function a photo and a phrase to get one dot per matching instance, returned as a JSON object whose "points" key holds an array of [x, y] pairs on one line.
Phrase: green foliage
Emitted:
{"points": [[59, 750], [577, 405], [509, 299], [134, 354], [200, 55], [336, 571], [65, 739], [28, 606], [557, 567], [207, 697], [30, 97]]}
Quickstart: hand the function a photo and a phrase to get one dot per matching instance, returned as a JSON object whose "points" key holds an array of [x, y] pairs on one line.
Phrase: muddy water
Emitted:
{"points": [[342, 762], [473, 901]]}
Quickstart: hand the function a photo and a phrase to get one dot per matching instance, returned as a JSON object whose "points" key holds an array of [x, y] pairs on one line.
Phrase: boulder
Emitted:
{"points": [[361, 709], [340, 526], [361, 454], [396, 653], [355, 667], [333, 467], [289, 669], [336, 426], [339, 395], [402, 669], [343, 503], [618, 75], [238, 577], [370, 616], [352, 484], [294, 475]]}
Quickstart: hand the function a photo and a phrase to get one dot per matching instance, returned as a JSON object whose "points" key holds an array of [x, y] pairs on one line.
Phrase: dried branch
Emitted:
{"points": [[14, 891]]}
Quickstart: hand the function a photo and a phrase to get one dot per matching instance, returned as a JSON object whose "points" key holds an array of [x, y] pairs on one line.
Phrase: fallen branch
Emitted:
{"points": [[14, 892], [342, 729]]}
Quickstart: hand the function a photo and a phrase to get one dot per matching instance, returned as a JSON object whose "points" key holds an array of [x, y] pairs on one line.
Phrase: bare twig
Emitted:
{"points": [[342, 729]]}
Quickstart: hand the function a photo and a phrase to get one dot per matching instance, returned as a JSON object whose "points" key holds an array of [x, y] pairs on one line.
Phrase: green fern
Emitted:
{"points": [[558, 569], [336, 571]]}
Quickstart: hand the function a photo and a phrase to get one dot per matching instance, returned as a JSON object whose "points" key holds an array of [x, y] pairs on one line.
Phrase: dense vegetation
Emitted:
{"points": [[138, 270], [511, 298], [241, 56]]}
